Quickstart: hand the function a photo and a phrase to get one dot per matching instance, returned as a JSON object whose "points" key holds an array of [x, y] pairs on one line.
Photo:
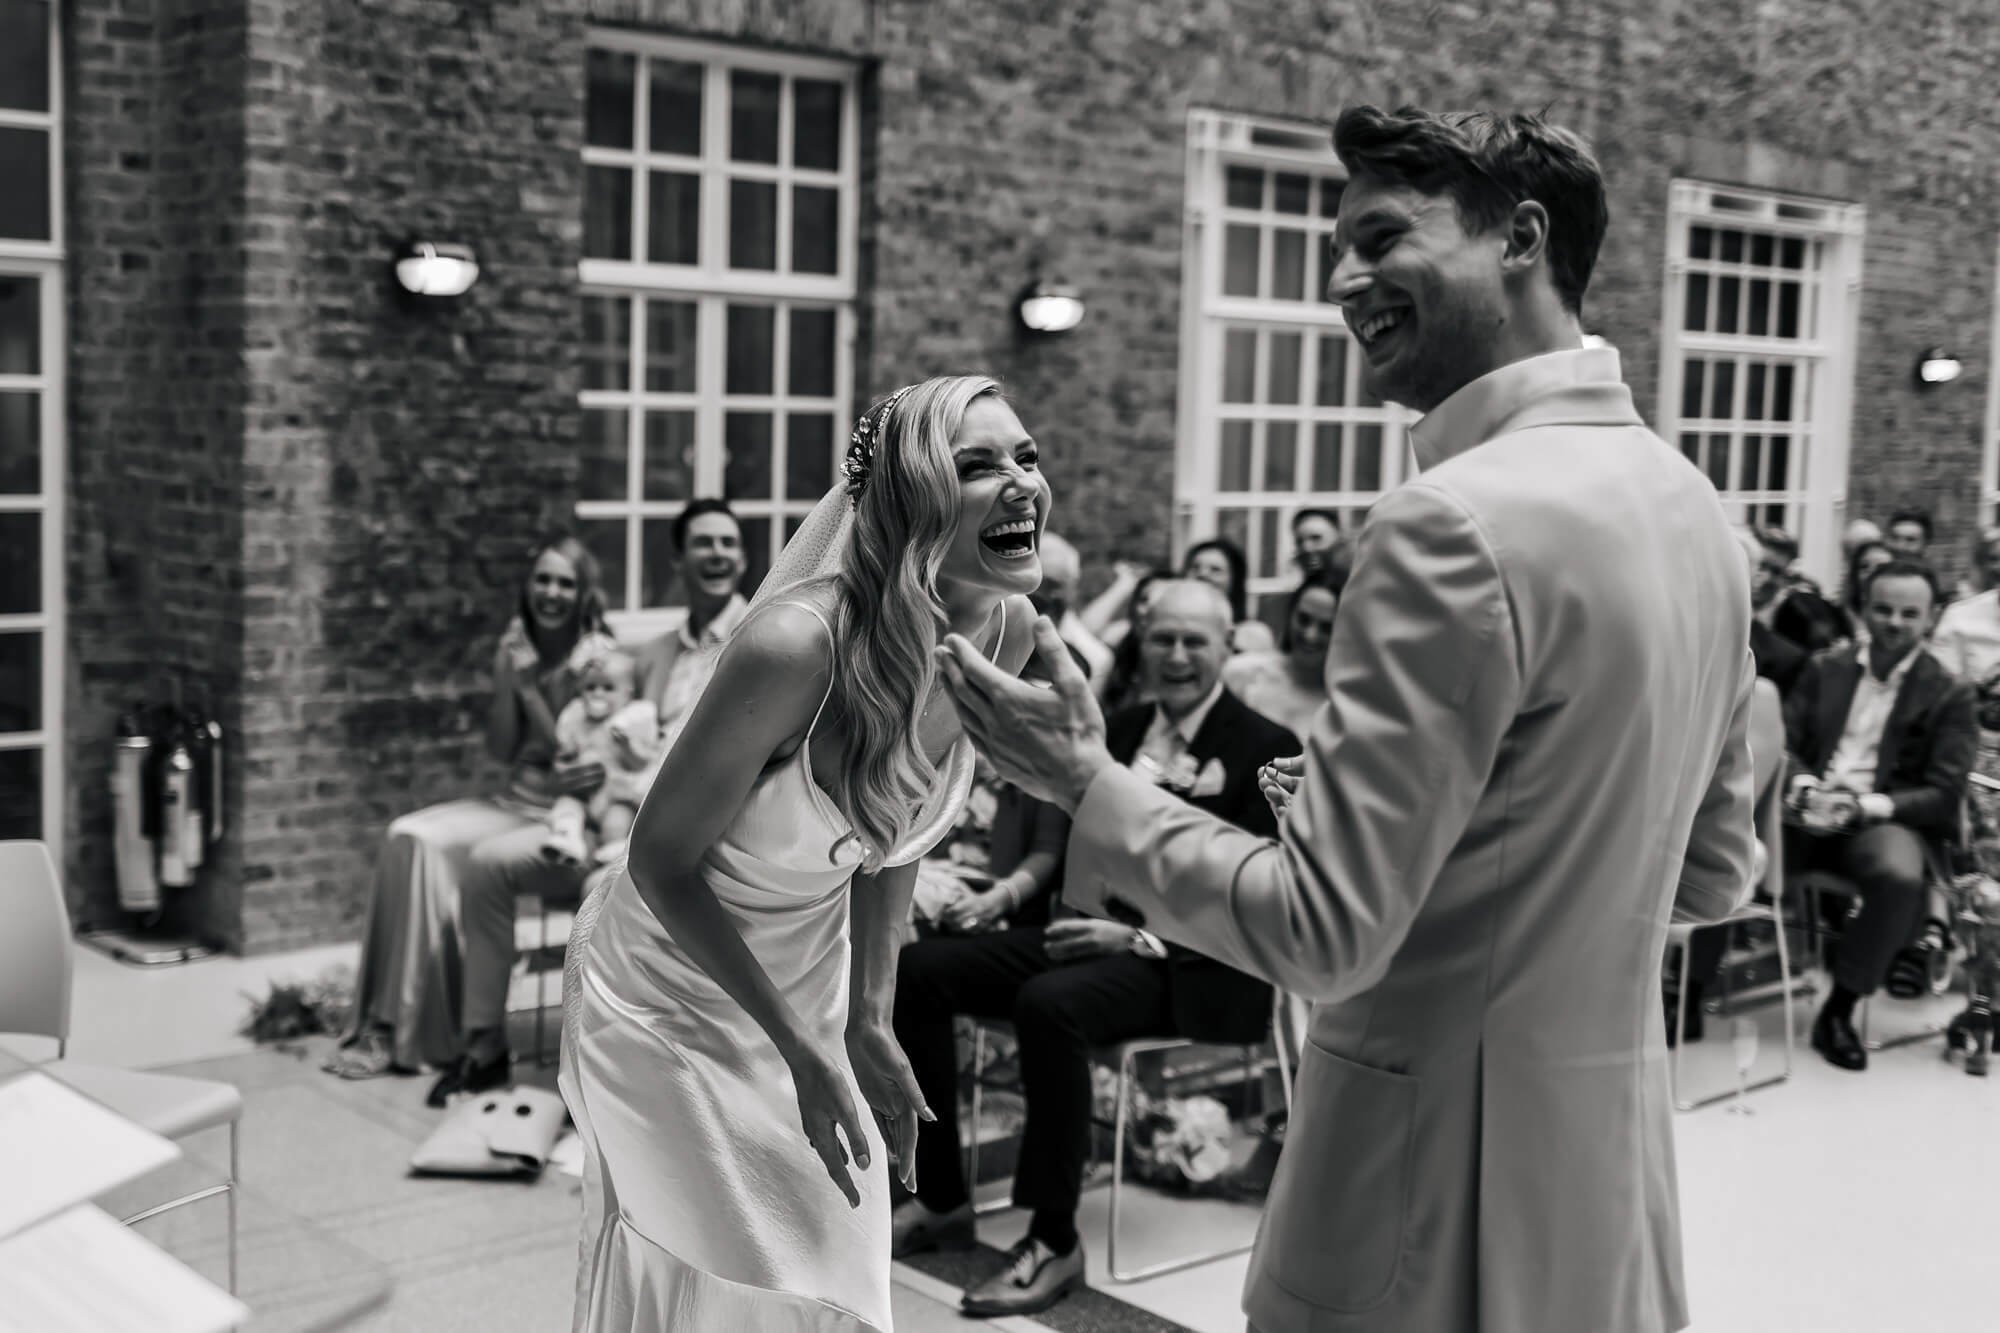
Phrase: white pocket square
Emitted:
{"points": [[1210, 781]]}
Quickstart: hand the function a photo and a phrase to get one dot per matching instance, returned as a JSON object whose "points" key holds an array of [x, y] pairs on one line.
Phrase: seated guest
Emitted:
{"points": [[1123, 686], [443, 904], [1062, 569], [1967, 638], [1909, 535], [409, 1010], [708, 546], [1289, 686], [1867, 558], [1316, 540], [1779, 660], [1081, 982], [1796, 611], [1886, 736], [1967, 642], [606, 724], [671, 672], [1221, 562]]}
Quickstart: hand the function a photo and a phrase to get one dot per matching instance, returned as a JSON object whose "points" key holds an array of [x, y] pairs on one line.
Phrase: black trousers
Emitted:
{"points": [[1886, 861], [1059, 1012]]}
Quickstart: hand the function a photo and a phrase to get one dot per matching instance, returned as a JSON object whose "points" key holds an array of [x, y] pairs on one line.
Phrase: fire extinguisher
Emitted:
{"points": [[132, 802], [180, 812]]}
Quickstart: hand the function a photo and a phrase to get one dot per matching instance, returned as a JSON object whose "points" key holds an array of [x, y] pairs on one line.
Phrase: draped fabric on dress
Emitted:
{"points": [[704, 1206]]}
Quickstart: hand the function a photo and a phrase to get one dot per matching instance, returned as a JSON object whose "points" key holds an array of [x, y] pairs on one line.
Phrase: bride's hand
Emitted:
{"points": [[827, 1113], [890, 1088]]}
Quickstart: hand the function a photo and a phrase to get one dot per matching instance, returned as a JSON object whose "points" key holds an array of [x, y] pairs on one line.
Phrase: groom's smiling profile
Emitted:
{"points": [[1532, 758]]}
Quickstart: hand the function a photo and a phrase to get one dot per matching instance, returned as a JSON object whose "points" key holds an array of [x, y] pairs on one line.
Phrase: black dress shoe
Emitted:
{"points": [[1833, 1036], [472, 1076]]}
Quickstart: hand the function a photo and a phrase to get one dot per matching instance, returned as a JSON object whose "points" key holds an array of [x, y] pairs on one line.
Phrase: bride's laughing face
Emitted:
{"points": [[1003, 503]]}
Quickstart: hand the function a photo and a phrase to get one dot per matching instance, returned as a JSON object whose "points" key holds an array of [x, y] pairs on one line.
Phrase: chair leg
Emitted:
{"points": [[542, 990], [1111, 1268], [234, 1177]]}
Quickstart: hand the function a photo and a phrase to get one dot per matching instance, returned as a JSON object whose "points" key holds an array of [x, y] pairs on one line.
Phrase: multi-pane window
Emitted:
{"points": [[719, 269], [1275, 417], [1758, 348], [31, 426], [1989, 495]]}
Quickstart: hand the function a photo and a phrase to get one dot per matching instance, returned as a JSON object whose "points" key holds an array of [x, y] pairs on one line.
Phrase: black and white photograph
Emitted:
{"points": [[897, 666]]}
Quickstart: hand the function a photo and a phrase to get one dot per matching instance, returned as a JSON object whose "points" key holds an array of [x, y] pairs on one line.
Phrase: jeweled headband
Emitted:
{"points": [[861, 444]]}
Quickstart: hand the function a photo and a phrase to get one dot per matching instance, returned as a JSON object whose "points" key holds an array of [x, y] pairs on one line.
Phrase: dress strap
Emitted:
{"points": [[833, 646]]}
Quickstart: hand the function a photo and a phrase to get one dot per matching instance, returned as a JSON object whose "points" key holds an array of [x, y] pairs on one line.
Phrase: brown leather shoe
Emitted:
{"points": [[1035, 1278], [915, 1229]]}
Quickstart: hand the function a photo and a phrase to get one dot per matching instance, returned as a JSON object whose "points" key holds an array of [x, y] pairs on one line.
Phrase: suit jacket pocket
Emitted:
{"points": [[1334, 1224]]}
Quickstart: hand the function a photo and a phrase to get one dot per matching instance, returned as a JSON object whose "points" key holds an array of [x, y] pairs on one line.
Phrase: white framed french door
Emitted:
{"points": [[32, 469]]}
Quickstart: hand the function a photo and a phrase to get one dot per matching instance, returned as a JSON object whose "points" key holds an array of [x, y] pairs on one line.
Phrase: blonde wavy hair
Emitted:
{"points": [[889, 612]]}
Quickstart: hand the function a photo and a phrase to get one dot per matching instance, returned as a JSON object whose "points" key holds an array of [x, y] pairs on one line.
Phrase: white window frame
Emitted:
{"points": [[711, 285], [1218, 140], [44, 261], [1822, 437], [1989, 454]]}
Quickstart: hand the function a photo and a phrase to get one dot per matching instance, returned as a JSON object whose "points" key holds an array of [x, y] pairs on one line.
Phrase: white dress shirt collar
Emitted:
{"points": [[1189, 726], [1476, 412], [718, 629]]}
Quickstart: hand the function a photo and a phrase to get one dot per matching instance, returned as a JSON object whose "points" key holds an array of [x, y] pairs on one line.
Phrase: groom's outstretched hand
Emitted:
{"points": [[1049, 743]]}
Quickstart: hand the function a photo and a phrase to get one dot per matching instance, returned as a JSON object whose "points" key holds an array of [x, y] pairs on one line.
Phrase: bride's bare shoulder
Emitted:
{"points": [[784, 645]]}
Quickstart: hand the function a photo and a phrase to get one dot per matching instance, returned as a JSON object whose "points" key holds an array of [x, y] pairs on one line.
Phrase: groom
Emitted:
{"points": [[1532, 759]]}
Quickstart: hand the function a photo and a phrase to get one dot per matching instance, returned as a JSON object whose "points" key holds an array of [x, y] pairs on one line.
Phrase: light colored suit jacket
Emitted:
{"points": [[1533, 758]]}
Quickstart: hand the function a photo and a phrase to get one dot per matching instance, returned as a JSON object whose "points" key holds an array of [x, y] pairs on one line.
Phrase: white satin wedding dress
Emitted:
{"points": [[705, 1209]]}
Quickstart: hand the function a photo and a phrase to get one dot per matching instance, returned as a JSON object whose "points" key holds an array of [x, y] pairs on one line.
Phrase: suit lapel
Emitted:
{"points": [[1124, 731]]}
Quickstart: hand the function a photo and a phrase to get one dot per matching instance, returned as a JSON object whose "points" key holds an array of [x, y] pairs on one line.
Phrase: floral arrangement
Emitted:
{"points": [[295, 1010]]}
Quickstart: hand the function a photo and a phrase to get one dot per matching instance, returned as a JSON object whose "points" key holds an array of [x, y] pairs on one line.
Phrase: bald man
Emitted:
{"points": [[1062, 570], [1082, 982]]}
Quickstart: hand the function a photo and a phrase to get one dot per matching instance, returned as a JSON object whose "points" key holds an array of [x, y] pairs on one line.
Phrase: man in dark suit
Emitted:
{"points": [[1082, 982], [1883, 739]]}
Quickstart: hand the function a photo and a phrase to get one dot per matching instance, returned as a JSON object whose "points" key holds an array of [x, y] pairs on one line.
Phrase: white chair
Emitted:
{"points": [[35, 968], [1122, 1057], [1767, 757]]}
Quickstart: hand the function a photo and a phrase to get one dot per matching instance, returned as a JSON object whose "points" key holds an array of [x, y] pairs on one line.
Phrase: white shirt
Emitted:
{"points": [[1967, 638], [1166, 741], [688, 670], [1855, 757], [1478, 411], [1162, 751]]}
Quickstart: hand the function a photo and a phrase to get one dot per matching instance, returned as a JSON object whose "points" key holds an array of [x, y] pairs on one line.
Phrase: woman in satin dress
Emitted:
{"points": [[727, 998]]}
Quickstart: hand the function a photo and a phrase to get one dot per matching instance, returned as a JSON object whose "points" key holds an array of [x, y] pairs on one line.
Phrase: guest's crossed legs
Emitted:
{"points": [[499, 869], [1060, 1011], [1886, 861]]}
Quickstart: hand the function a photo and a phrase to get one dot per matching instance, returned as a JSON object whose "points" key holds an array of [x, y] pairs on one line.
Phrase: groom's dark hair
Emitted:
{"points": [[1488, 162]]}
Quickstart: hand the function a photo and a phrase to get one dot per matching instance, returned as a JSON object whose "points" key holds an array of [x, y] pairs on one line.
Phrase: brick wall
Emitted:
{"points": [[378, 470], [312, 495], [153, 169]]}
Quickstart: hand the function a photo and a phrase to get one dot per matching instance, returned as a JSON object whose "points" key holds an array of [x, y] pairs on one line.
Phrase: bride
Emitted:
{"points": [[728, 998]]}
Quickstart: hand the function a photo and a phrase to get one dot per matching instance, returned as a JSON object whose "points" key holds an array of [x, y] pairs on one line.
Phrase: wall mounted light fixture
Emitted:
{"points": [[1937, 366], [1049, 307], [432, 268]]}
